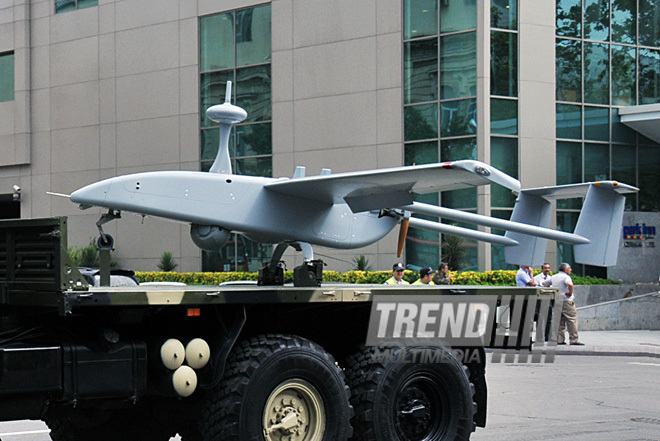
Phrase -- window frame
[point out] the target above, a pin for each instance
(11, 88)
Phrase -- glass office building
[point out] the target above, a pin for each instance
(550, 91)
(607, 57)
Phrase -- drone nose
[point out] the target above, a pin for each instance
(93, 194)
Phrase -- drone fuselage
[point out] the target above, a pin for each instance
(237, 203)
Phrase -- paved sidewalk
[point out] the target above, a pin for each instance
(621, 343)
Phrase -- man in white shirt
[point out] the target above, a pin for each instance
(543, 276)
(539, 279)
(562, 280)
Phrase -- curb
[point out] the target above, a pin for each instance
(608, 351)
(603, 351)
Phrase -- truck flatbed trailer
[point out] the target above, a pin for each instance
(225, 362)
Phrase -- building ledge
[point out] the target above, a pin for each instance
(643, 119)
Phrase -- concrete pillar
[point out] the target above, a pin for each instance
(483, 121)
(536, 111)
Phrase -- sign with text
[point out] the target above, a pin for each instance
(638, 236)
(510, 322)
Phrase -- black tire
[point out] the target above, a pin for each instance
(261, 368)
(67, 424)
(399, 400)
(105, 242)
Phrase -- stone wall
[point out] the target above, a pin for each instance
(592, 294)
(634, 313)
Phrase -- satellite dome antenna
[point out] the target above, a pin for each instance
(225, 114)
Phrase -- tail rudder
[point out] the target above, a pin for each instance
(600, 221)
(533, 210)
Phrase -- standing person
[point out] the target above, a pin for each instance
(525, 276)
(425, 276)
(539, 280)
(441, 277)
(397, 275)
(543, 276)
(569, 319)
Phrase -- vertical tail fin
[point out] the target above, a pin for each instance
(533, 210)
(600, 221)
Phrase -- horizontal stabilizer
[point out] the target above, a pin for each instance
(596, 237)
(600, 221)
(569, 191)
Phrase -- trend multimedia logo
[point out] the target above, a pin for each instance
(511, 325)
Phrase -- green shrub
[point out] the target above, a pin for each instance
(499, 277)
(85, 255)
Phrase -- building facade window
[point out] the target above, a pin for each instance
(72, 5)
(236, 46)
(7, 77)
(608, 57)
(440, 105)
(503, 110)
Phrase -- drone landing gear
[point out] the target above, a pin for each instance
(310, 273)
(106, 243)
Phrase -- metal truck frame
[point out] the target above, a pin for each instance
(271, 363)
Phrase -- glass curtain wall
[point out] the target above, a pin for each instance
(503, 111)
(440, 58)
(236, 46)
(608, 57)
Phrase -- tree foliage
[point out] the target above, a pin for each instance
(167, 262)
(453, 251)
(361, 263)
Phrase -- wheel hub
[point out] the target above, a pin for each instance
(294, 412)
(417, 412)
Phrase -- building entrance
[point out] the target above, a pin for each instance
(9, 208)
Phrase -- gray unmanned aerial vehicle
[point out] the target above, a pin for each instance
(352, 210)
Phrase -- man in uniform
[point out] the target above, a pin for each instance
(397, 275)
(425, 276)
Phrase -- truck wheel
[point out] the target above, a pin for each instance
(400, 400)
(279, 388)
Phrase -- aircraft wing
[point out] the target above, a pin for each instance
(392, 187)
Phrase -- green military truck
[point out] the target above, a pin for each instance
(245, 362)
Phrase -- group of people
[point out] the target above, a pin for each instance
(562, 281)
(427, 275)
(524, 277)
